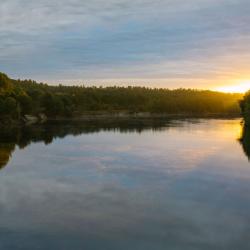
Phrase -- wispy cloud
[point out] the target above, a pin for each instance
(163, 41)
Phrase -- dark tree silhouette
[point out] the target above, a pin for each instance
(20, 97)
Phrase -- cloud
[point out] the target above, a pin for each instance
(101, 40)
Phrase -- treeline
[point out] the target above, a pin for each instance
(21, 97)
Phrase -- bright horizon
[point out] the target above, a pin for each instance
(241, 87)
(237, 87)
(202, 44)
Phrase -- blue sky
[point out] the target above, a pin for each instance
(162, 43)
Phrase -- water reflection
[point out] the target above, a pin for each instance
(47, 133)
(245, 140)
(23, 136)
(6, 150)
(179, 184)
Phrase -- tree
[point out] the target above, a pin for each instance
(25, 104)
(5, 83)
(11, 108)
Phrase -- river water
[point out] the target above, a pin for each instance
(128, 185)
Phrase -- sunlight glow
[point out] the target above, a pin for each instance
(241, 87)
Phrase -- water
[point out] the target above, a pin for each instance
(180, 184)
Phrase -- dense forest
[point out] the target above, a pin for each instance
(27, 97)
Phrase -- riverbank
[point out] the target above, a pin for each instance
(141, 115)
(28, 120)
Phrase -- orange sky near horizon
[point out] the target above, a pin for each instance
(197, 44)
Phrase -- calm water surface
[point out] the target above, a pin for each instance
(181, 184)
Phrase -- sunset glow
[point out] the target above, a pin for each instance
(241, 87)
(201, 44)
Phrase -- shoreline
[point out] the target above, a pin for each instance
(120, 116)
(140, 116)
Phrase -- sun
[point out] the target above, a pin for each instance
(241, 87)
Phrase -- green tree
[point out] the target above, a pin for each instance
(10, 108)
(5, 83)
(25, 104)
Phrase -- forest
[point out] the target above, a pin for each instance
(27, 97)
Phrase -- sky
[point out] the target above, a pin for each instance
(155, 43)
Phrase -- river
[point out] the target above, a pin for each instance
(127, 185)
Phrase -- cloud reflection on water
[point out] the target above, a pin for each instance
(153, 189)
